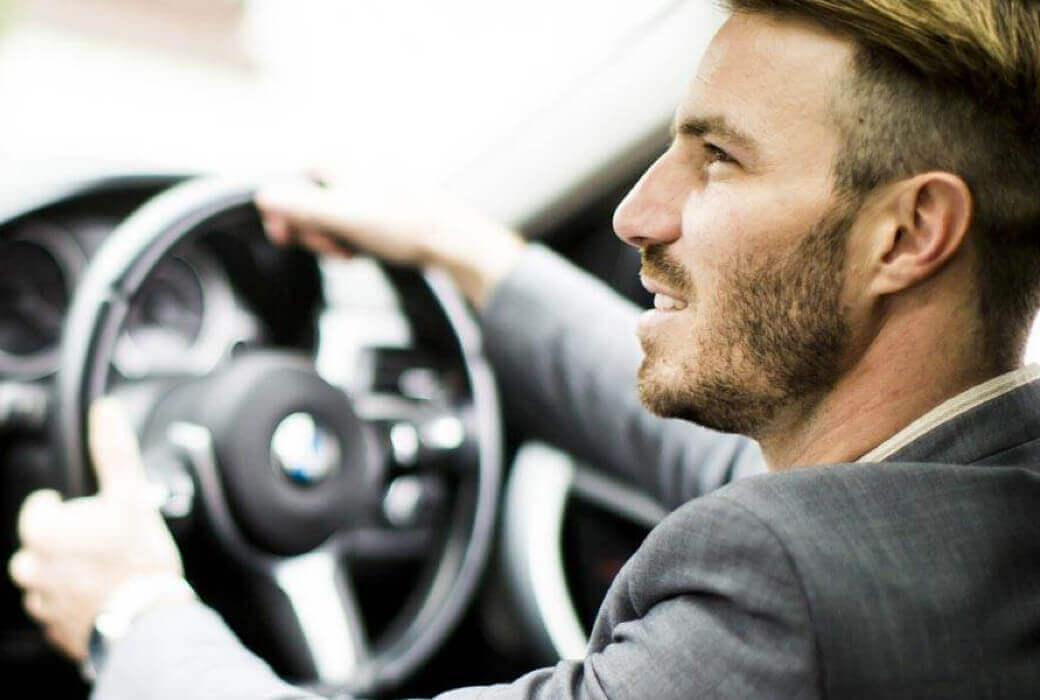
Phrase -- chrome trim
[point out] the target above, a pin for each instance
(536, 500)
(326, 608)
(542, 481)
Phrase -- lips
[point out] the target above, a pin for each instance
(665, 299)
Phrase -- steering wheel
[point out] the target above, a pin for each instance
(287, 474)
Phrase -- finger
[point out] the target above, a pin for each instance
(303, 204)
(64, 640)
(322, 242)
(277, 229)
(23, 568)
(37, 517)
(34, 605)
(114, 449)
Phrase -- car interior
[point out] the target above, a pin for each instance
(551, 535)
(464, 548)
(460, 547)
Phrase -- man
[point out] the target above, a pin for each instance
(842, 241)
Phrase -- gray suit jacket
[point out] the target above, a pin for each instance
(919, 577)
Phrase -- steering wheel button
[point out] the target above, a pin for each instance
(404, 443)
(419, 383)
(443, 433)
(404, 501)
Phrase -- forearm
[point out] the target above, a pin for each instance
(185, 651)
(477, 252)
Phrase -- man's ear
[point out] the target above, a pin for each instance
(926, 221)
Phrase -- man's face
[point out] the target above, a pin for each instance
(742, 234)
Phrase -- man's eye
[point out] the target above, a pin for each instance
(714, 154)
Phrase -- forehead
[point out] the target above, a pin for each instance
(772, 78)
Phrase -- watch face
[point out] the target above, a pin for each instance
(107, 630)
(96, 649)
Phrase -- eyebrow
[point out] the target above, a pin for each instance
(713, 126)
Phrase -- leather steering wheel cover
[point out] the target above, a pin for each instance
(101, 301)
(98, 310)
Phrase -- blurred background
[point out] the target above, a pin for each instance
(518, 106)
(410, 87)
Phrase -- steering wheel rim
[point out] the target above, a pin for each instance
(97, 313)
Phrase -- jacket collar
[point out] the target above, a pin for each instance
(975, 426)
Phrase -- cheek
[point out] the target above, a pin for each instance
(732, 221)
(716, 232)
(709, 219)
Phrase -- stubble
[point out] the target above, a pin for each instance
(779, 342)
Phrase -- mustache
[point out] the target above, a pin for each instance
(658, 266)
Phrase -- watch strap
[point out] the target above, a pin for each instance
(129, 601)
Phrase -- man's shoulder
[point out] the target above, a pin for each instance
(909, 579)
(822, 494)
(896, 558)
(847, 529)
(898, 531)
(833, 513)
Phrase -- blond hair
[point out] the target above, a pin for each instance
(948, 85)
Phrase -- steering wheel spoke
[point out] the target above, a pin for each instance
(321, 596)
(383, 544)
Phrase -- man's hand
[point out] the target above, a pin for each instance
(76, 553)
(407, 228)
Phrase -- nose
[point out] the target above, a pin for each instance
(651, 213)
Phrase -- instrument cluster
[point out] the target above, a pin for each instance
(184, 319)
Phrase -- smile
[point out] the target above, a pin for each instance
(664, 298)
(663, 302)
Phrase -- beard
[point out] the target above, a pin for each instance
(780, 344)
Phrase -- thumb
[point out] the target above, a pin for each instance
(300, 202)
(114, 449)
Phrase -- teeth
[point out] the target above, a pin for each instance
(664, 302)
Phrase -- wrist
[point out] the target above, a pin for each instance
(479, 264)
(128, 602)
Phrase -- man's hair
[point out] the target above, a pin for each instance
(950, 85)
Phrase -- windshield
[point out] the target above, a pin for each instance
(211, 84)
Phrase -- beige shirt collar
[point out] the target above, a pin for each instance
(961, 403)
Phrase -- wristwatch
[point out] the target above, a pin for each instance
(128, 602)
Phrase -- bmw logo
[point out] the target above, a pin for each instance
(304, 451)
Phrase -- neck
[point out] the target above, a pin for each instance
(911, 365)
